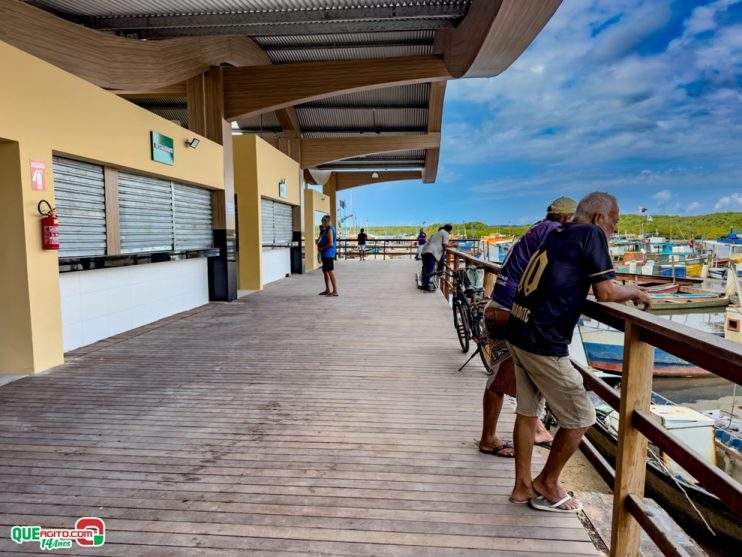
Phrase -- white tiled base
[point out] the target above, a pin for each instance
(105, 302)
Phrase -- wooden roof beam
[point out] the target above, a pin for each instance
(315, 152)
(435, 119)
(118, 63)
(347, 180)
(252, 90)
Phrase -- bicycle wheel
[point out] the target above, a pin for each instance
(436, 279)
(485, 347)
(461, 323)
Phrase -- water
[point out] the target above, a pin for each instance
(700, 393)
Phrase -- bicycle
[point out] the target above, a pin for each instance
(468, 305)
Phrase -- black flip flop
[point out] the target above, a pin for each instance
(497, 450)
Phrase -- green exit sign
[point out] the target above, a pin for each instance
(162, 148)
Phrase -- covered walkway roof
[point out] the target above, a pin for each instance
(281, 424)
(408, 49)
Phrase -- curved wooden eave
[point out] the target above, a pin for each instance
(251, 90)
(115, 62)
(316, 152)
(347, 180)
(493, 35)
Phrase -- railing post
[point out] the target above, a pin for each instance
(631, 456)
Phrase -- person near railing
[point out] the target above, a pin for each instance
(327, 246)
(496, 314)
(433, 251)
(362, 237)
(421, 239)
(547, 306)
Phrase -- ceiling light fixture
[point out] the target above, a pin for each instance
(192, 143)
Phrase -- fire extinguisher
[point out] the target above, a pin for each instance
(49, 226)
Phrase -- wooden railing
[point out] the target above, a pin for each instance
(642, 332)
(378, 248)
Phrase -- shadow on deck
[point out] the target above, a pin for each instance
(285, 423)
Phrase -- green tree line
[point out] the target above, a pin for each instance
(670, 226)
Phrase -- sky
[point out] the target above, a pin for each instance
(640, 98)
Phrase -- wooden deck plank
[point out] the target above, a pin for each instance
(281, 424)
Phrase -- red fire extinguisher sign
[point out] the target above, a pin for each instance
(38, 175)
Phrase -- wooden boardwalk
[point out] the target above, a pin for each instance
(283, 424)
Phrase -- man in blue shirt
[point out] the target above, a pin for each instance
(502, 381)
(547, 306)
(327, 246)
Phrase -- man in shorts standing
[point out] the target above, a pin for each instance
(496, 314)
(362, 238)
(547, 306)
(327, 246)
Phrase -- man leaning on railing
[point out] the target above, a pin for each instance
(546, 309)
(433, 252)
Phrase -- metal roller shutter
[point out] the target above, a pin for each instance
(266, 219)
(283, 223)
(79, 192)
(192, 217)
(277, 222)
(146, 213)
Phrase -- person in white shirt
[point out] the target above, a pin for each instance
(433, 252)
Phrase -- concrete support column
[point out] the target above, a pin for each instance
(30, 311)
(206, 117)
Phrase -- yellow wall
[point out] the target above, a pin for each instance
(46, 110)
(258, 167)
(314, 202)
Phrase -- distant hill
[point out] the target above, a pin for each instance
(671, 226)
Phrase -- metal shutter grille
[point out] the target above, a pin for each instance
(192, 217)
(277, 222)
(146, 213)
(283, 223)
(266, 219)
(79, 192)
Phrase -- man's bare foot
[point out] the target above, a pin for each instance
(555, 493)
(542, 434)
(522, 493)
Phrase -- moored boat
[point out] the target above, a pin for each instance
(676, 491)
(604, 351)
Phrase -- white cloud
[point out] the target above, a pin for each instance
(581, 96)
(662, 196)
(733, 201)
(692, 206)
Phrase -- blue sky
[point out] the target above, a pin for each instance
(640, 98)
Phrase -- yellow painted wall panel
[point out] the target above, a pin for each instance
(258, 168)
(68, 115)
(16, 345)
(47, 111)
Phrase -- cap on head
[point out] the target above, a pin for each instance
(562, 206)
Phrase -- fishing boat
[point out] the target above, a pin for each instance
(667, 483)
(674, 301)
(604, 351)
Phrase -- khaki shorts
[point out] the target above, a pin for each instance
(555, 379)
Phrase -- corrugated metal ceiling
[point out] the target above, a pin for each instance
(133, 7)
(295, 31)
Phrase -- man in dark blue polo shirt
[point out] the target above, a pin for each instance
(547, 306)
